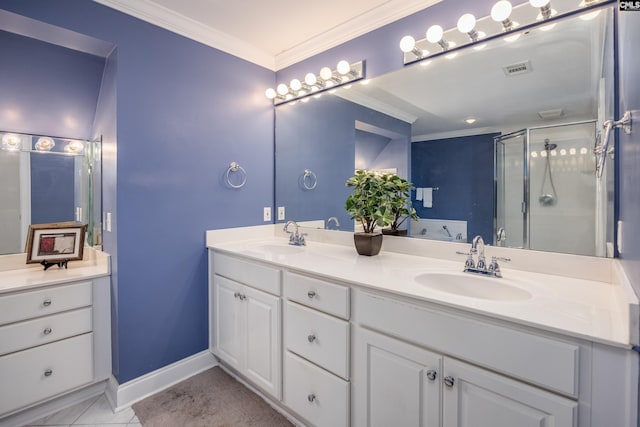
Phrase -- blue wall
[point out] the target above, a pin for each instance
(328, 122)
(629, 145)
(184, 111)
(462, 169)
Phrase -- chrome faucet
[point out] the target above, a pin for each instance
(480, 266)
(334, 219)
(295, 237)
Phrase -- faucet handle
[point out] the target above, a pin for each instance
(469, 263)
(494, 268)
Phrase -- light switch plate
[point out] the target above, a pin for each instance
(267, 214)
(280, 213)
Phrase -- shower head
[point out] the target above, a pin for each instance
(548, 146)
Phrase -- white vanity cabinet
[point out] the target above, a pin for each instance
(316, 340)
(53, 339)
(246, 320)
(396, 380)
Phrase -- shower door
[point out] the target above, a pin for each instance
(510, 177)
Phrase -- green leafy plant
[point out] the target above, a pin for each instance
(370, 202)
(399, 194)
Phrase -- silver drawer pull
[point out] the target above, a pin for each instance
(311, 398)
(448, 381)
(311, 338)
(47, 302)
(311, 294)
(48, 373)
(431, 374)
(47, 331)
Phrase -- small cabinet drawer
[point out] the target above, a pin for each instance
(318, 337)
(45, 301)
(315, 394)
(32, 375)
(249, 273)
(321, 295)
(43, 330)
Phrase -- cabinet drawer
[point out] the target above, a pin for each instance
(315, 394)
(45, 301)
(32, 375)
(318, 337)
(31, 333)
(325, 296)
(249, 273)
(547, 362)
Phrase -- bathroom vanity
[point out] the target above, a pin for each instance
(55, 332)
(333, 338)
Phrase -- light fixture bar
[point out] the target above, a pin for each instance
(312, 84)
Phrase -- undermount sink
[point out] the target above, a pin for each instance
(473, 286)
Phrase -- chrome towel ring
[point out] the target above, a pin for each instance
(235, 167)
(309, 180)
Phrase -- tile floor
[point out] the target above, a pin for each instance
(94, 412)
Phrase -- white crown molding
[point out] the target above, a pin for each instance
(187, 27)
(163, 17)
(376, 104)
(369, 21)
(454, 134)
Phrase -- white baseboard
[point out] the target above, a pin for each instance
(52, 406)
(122, 396)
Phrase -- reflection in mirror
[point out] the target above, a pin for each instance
(45, 180)
(501, 140)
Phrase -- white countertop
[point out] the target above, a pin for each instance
(15, 275)
(594, 310)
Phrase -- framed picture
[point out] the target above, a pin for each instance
(55, 242)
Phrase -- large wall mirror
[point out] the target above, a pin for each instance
(44, 180)
(497, 138)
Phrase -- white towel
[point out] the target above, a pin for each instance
(427, 197)
(418, 193)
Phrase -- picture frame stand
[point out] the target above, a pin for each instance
(46, 264)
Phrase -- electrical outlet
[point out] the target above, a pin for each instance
(267, 214)
(108, 221)
(280, 213)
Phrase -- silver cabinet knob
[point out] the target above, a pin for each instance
(448, 381)
(311, 398)
(243, 297)
(47, 302)
(311, 294)
(432, 375)
(47, 331)
(311, 338)
(236, 294)
(48, 373)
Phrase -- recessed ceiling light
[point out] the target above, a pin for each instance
(470, 120)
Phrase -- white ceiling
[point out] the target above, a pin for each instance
(274, 33)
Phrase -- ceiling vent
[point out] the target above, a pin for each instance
(517, 69)
(551, 114)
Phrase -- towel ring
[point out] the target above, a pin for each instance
(235, 167)
(311, 182)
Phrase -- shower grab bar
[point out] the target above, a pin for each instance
(602, 149)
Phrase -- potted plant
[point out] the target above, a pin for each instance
(369, 204)
(399, 193)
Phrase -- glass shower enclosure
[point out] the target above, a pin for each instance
(548, 195)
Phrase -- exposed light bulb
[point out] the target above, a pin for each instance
(44, 144)
(466, 23)
(295, 85)
(344, 67)
(407, 44)
(282, 89)
(11, 142)
(501, 11)
(310, 79)
(74, 147)
(326, 73)
(539, 3)
(435, 33)
(270, 93)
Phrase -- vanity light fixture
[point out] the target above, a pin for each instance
(44, 144)
(74, 147)
(500, 12)
(408, 44)
(467, 24)
(435, 34)
(11, 142)
(313, 84)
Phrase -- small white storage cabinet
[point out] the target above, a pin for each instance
(246, 319)
(53, 339)
(316, 360)
(396, 382)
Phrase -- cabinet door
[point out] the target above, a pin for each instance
(229, 337)
(263, 349)
(394, 383)
(474, 397)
